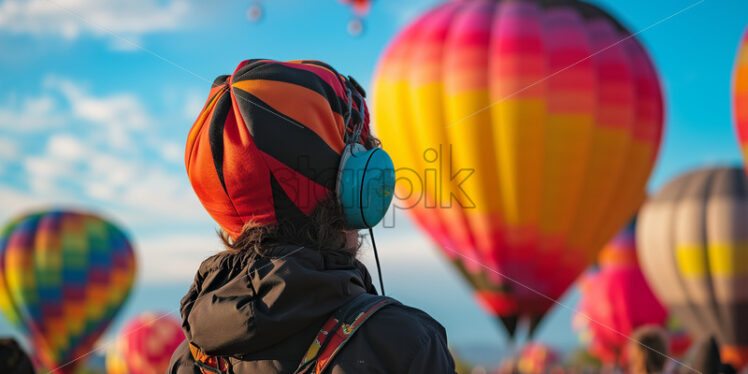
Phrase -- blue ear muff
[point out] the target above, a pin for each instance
(365, 185)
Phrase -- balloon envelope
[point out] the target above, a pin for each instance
(63, 276)
(740, 94)
(523, 133)
(360, 7)
(115, 361)
(537, 358)
(616, 300)
(148, 341)
(692, 238)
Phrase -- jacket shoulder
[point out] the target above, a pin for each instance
(401, 339)
(406, 322)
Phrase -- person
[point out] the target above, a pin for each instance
(13, 360)
(263, 159)
(648, 350)
(703, 357)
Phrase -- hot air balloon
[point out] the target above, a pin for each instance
(360, 10)
(115, 361)
(254, 13)
(691, 239)
(680, 341)
(537, 358)
(523, 133)
(740, 92)
(148, 341)
(616, 300)
(63, 277)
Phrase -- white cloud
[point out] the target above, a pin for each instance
(172, 152)
(175, 257)
(32, 114)
(9, 149)
(193, 103)
(16, 202)
(119, 114)
(71, 18)
(107, 152)
(66, 147)
(138, 190)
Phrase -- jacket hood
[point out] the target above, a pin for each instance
(242, 304)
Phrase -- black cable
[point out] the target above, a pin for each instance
(376, 257)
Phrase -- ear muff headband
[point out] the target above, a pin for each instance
(366, 178)
(365, 184)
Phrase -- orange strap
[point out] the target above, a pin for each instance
(338, 330)
(209, 364)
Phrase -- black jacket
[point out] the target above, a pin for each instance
(264, 312)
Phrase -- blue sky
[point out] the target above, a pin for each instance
(89, 120)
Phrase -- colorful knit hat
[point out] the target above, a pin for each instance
(267, 144)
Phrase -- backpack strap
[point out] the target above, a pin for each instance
(209, 364)
(338, 330)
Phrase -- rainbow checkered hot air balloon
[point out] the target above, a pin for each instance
(63, 276)
(147, 342)
(524, 132)
(740, 94)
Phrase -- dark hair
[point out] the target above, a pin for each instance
(324, 230)
(651, 343)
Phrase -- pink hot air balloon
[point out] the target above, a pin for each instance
(740, 94)
(148, 341)
(616, 300)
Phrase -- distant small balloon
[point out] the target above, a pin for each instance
(537, 358)
(254, 13)
(355, 26)
(148, 342)
(115, 362)
(360, 7)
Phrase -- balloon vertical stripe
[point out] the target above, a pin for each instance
(740, 94)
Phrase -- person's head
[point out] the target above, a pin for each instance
(648, 350)
(263, 154)
(13, 359)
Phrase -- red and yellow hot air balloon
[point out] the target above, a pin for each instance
(740, 93)
(692, 239)
(616, 300)
(63, 276)
(115, 361)
(147, 342)
(524, 132)
(537, 358)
